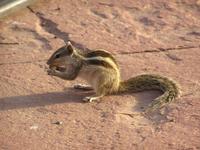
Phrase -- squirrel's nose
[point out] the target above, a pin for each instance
(48, 62)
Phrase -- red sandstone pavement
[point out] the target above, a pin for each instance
(160, 37)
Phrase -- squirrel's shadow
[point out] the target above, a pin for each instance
(143, 99)
(35, 100)
(69, 95)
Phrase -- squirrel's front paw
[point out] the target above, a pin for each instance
(51, 72)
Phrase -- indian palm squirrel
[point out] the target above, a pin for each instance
(101, 71)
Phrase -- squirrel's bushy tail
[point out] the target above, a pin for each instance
(152, 82)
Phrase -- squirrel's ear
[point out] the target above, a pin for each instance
(70, 48)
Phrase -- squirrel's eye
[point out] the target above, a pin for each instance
(57, 56)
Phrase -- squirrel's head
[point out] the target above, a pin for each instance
(63, 56)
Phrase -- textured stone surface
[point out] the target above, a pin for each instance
(145, 36)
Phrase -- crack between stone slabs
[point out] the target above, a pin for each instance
(51, 27)
(7, 43)
(159, 50)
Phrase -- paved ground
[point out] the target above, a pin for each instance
(145, 36)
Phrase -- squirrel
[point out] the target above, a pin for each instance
(100, 69)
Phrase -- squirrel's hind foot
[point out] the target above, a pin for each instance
(91, 98)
